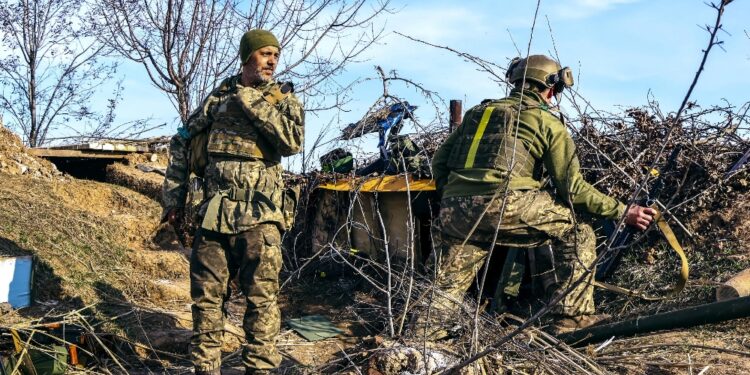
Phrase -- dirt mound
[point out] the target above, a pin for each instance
(15, 161)
(146, 183)
(143, 173)
(90, 240)
(729, 222)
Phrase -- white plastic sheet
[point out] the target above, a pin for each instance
(15, 281)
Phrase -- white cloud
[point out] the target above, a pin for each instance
(602, 4)
(578, 9)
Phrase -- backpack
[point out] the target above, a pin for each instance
(337, 160)
(406, 156)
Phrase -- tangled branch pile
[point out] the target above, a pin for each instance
(712, 141)
(705, 202)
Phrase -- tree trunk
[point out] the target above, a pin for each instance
(183, 103)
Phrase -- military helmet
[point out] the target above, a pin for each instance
(540, 69)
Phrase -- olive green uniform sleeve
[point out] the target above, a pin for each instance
(562, 164)
(440, 170)
(281, 124)
(174, 189)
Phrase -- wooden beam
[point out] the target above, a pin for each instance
(82, 154)
(737, 286)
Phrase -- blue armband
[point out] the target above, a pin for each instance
(183, 132)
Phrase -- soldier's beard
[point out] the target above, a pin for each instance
(256, 76)
(264, 76)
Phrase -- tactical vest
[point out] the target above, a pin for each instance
(486, 142)
(233, 134)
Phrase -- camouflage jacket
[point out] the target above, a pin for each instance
(541, 135)
(240, 191)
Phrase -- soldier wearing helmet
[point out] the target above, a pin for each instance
(490, 175)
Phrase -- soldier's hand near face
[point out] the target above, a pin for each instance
(639, 216)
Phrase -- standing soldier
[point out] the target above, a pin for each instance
(490, 174)
(249, 122)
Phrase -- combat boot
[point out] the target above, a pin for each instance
(573, 323)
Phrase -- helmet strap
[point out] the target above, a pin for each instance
(550, 94)
(558, 96)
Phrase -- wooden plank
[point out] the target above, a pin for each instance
(103, 146)
(54, 153)
(380, 184)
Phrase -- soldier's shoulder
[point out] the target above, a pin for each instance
(227, 85)
(483, 105)
(293, 97)
(551, 115)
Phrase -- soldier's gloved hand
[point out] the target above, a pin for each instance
(274, 95)
(639, 216)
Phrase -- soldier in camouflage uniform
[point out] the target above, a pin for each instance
(489, 172)
(251, 124)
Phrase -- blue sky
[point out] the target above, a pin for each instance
(620, 49)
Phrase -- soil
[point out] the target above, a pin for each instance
(15, 161)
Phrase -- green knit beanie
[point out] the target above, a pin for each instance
(254, 40)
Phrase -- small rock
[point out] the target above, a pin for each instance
(5, 308)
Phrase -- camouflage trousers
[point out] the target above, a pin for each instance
(254, 256)
(530, 219)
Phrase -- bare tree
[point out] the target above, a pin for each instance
(186, 46)
(319, 38)
(51, 68)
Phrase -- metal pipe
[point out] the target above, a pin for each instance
(456, 111)
(689, 317)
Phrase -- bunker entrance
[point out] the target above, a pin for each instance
(84, 168)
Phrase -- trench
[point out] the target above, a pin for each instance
(84, 168)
